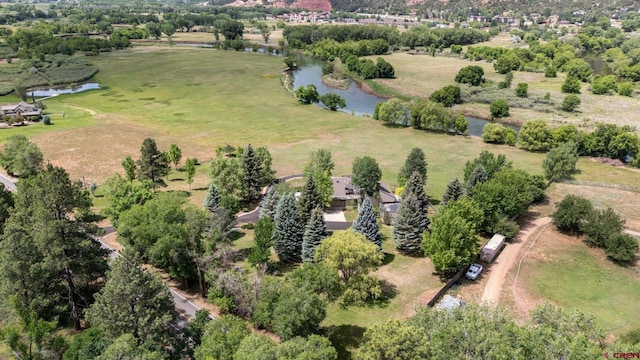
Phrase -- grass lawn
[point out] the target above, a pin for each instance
(567, 272)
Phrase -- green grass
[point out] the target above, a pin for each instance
(576, 278)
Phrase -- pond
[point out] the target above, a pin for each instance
(358, 101)
(60, 90)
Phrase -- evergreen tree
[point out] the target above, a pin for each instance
(269, 203)
(261, 250)
(314, 232)
(288, 230)
(132, 301)
(415, 162)
(415, 186)
(212, 199)
(454, 192)
(320, 167)
(267, 174)
(367, 223)
(252, 174)
(153, 164)
(310, 199)
(409, 225)
(48, 225)
(478, 176)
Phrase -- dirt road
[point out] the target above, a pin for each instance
(508, 257)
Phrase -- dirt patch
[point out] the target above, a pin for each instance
(604, 160)
(91, 112)
(507, 259)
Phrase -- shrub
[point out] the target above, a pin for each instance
(570, 102)
(472, 75)
(508, 79)
(602, 85)
(550, 71)
(621, 247)
(499, 108)
(522, 90)
(510, 137)
(456, 49)
(447, 96)
(625, 89)
(571, 85)
(493, 133)
(535, 135)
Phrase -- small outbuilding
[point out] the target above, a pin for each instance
(449, 303)
(492, 249)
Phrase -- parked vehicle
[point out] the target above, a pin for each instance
(473, 272)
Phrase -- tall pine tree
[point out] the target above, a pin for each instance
(415, 162)
(269, 203)
(409, 225)
(454, 192)
(212, 199)
(478, 176)
(252, 174)
(48, 218)
(288, 230)
(261, 250)
(153, 164)
(367, 223)
(415, 186)
(315, 231)
(310, 199)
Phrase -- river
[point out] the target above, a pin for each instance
(359, 102)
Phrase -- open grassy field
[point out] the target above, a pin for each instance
(563, 270)
(420, 75)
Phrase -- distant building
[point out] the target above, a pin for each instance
(22, 109)
(478, 18)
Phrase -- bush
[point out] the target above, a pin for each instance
(570, 102)
(571, 213)
(535, 135)
(571, 85)
(472, 75)
(621, 247)
(602, 85)
(625, 89)
(508, 79)
(493, 133)
(522, 90)
(456, 49)
(550, 71)
(499, 108)
(447, 96)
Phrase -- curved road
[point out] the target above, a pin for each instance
(185, 308)
(254, 215)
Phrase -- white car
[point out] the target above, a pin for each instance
(473, 272)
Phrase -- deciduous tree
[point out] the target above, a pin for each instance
(560, 161)
(227, 175)
(472, 75)
(21, 157)
(571, 213)
(332, 101)
(393, 340)
(452, 242)
(351, 253)
(190, 170)
(320, 167)
(535, 135)
(621, 247)
(307, 94)
(221, 338)
(600, 225)
(366, 175)
(175, 155)
(130, 168)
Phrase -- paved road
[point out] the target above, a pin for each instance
(254, 215)
(184, 307)
(8, 183)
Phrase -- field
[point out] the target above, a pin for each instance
(420, 75)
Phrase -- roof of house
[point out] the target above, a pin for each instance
(343, 189)
(386, 195)
(23, 107)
